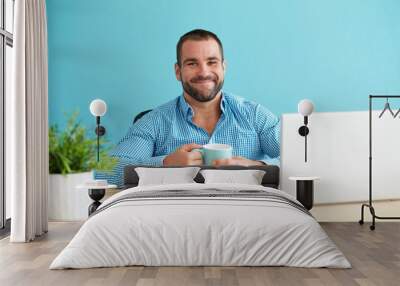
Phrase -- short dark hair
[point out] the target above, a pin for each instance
(196, 35)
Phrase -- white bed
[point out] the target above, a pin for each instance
(251, 225)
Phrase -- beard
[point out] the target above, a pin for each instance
(199, 95)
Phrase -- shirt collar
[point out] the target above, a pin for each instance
(185, 107)
(188, 110)
(223, 102)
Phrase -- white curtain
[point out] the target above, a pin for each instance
(28, 121)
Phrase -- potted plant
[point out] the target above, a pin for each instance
(72, 159)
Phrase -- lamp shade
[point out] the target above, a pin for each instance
(98, 107)
(305, 107)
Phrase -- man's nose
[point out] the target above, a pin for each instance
(203, 69)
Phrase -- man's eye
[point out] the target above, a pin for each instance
(213, 62)
(191, 64)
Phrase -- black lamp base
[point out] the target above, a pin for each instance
(100, 130)
(304, 131)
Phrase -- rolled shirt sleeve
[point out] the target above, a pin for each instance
(269, 131)
(135, 148)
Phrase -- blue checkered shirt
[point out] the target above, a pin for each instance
(251, 129)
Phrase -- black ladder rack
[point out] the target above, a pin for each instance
(369, 205)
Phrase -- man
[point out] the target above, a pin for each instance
(203, 114)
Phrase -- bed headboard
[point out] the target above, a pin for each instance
(270, 179)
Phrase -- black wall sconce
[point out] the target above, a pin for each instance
(98, 108)
(305, 108)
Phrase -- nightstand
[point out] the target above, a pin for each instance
(305, 190)
(96, 193)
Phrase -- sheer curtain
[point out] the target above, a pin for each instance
(28, 123)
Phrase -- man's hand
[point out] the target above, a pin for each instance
(183, 157)
(241, 161)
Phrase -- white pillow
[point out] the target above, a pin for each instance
(165, 176)
(249, 177)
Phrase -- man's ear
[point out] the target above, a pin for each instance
(224, 65)
(178, 72)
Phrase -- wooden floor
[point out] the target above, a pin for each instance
(375, 257)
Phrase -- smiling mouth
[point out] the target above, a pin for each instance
(203, 81)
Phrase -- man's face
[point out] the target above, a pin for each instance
(202, 69)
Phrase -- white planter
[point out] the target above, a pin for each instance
(66, 202)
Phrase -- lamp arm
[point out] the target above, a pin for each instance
(305, 148)
(100, 131)
(98, 137)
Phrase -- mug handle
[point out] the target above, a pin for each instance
(198, 150)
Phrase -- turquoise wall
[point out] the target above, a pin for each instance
(278, 52)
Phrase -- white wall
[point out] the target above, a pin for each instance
(338, 153)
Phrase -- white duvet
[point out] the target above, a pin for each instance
(200, 231)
